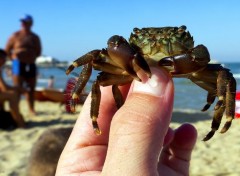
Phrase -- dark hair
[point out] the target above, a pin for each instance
(3, 53)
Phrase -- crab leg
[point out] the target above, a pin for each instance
(82, 80)
(108, 68)
(220, 105)
(106, 79)
(223, 87)
(95, 103)
(230, 104)
(215, 123)
(117, 95)
(85, 59)
(210, 99)
(84, 76)
(80, 84)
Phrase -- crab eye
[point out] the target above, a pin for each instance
(114, 40)
(136, 30)
(182, 28)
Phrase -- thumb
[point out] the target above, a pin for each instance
(138, 128)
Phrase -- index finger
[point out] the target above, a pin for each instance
(83, 134)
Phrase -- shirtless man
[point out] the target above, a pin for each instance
(10, 94)
(23, 47)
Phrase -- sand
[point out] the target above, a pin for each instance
(218, 157)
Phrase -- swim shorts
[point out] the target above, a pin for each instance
(24, 69)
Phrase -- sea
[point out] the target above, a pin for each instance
(187, 94)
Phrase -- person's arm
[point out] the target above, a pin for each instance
(9, 46)
(38, 46)
(3, 86)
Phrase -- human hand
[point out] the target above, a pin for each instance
(135, 140)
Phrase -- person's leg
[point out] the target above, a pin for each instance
(16, 74)
(31, 80)
(18, 83)
(17, 80)
(31, 84)
(12, 98)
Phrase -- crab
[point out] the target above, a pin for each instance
(169, 48)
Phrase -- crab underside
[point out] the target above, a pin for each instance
(169, 48)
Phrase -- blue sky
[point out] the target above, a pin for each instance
(69, 29)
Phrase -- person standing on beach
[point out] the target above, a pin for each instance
(51, 82)
(23, 47)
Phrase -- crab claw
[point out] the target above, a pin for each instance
(167, 61)
(139, 61)
(125, 57)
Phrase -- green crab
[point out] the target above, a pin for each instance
(170, 48)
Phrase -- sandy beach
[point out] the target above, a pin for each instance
(218, 157)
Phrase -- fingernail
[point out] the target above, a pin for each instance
(156, 85)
